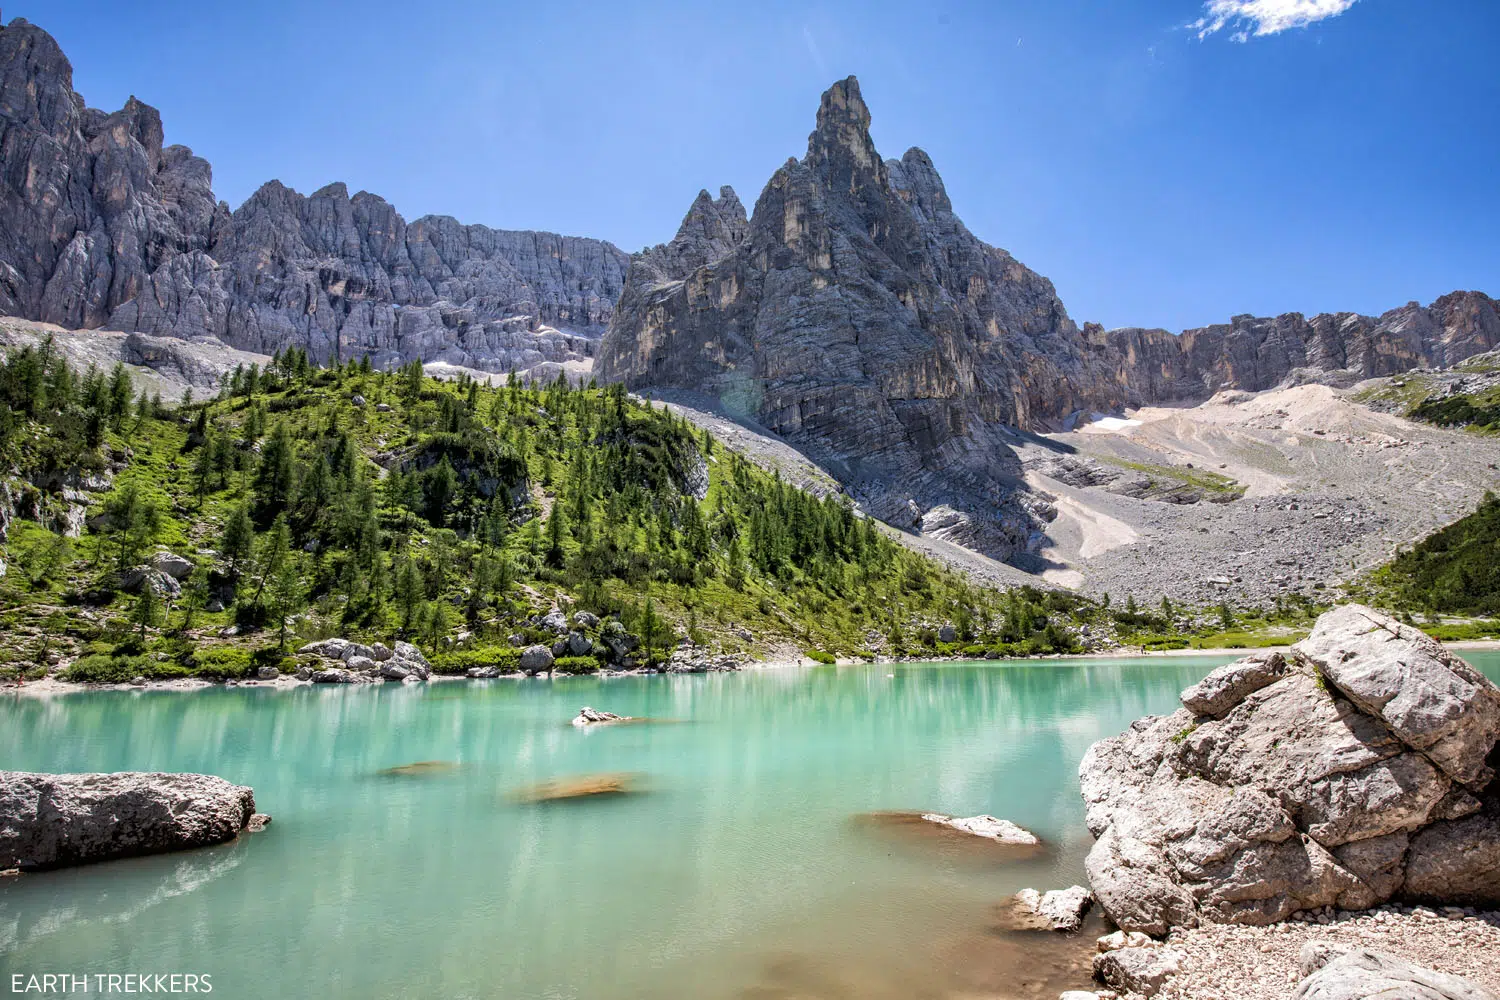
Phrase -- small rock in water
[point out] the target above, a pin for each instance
(419, 769)
(1058, 910)
(592, 716)
(1001, 831)
(562, 789)
(257, 823)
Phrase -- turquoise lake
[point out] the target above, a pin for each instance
(739, 870)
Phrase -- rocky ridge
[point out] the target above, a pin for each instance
(109, 227)
(855, 316)
(1357, 771)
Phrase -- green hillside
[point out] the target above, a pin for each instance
(1452, 571)
(320, 502)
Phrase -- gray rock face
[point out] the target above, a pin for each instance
(109, 228)
(1339, 973)
(855, 315)
(1137, 970)
(1351, 775)
(536, 659)
(55, 820)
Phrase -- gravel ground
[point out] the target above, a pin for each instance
(1332, 488)
(1229, 962)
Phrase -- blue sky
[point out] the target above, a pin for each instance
(1159, 172)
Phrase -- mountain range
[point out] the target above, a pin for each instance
(851, 312)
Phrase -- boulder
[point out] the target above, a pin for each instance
(536, 660)
(559, 648)
(947, 634)
(332, 675)
(352, 650)
(1126, 939)
(585, 619)
(1455, 862)
(406, 651)
(1057, 910)
(579, 644)
(554, 621)
(1338, 972)
(173, 565)
(55, 820)
(359, 664)
(1335, 777)
(332, 649)
(1137, 970)
(380, 652)
(483, 673)
(1227, 686)
(1001, 831)
(267, 673)
(394, 671)
(1431, 700)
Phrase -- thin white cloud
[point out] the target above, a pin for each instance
(814, 51)
(1248, 18)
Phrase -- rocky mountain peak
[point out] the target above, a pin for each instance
(840, 152)
(917, 183)
(36, 80)
(105, 227)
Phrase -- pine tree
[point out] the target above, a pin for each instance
(147, 609)
(238, 537)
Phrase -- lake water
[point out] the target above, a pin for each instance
(739, 870)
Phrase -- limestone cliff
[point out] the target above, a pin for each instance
(859, 318)
(104, 226)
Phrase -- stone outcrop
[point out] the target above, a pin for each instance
(108, 227)
(404, 662)
(593, 717)
(56, 820)
(856, 316)
(1342, 973)
(1357, 771)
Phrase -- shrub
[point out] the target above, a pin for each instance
(98, 668)
(221, 663)
(820, 656)
(461, 661)
(575, 665)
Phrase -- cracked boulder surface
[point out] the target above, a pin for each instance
(1357, 770)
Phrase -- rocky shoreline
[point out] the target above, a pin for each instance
(1330, 816)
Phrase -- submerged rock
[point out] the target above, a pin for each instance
(1001, 831)
(1353, 773)
(420, 769)
(56, 820)
(1059, 910)
(584, 786)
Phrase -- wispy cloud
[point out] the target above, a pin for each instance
(814, 51)
(1248, 18)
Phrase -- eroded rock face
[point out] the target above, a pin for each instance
(855, 315)
(110, 228)
(55, 820)
(1353, 773)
